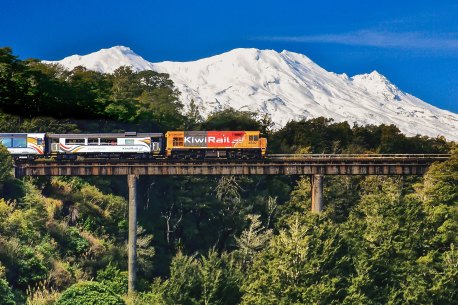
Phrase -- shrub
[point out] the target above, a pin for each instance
(6, 295)
(114, 279)
(31, 268)
(6, 164)
(76, 244)
(89, 293)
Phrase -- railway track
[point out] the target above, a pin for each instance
(275, 164)
(326, 158)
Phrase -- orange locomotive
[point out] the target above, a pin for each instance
(215, 144)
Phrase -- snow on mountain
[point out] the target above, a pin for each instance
(106, 60)
(288, 86)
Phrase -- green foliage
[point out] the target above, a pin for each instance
(385, 231)
(75, 243)
(324, 136)
(210, 279)
(114, 279)
(30, 88)
(183, 286)
(6, 294)
(154, 296)
(91, 209)
(6, 164)
(253, 239)
(193, 116)
(441, 182)
(305, 263)
(341, 193)
(89, 293)
(31, 269)
(230, 119)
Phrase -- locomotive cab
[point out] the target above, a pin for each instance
(215, 144)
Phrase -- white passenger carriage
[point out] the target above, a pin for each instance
(112, 145)
(24, 145)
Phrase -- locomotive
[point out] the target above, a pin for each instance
(133, 145)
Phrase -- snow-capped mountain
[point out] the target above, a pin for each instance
(286, 85)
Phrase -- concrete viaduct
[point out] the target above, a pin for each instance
(314, 165)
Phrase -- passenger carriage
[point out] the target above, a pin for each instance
(105, 145)
(24, 145)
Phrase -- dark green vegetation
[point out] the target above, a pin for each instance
(89, 293)
(216, 240)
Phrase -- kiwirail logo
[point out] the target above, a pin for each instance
(202, 140)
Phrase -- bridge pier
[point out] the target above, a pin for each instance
(317, 193)
(132, 181)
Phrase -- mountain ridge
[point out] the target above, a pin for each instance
(286, 85)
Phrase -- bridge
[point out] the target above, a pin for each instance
(314, 165)
(323, 164)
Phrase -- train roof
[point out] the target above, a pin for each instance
(21, 134)
(104, 135)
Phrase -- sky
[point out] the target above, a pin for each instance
(413, 43)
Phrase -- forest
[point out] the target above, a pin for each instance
(215, 240)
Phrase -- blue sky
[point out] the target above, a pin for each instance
(413, 43)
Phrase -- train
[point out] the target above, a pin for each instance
(133, 145)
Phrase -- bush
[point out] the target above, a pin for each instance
(114, 279)
(76, 244)
(89, 293)
(6, 164)
(6, 295)
(31, 269)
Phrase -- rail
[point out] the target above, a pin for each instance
(270, 157)
(359, 156)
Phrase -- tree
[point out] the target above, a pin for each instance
(253, 239)
(231, 119)
(385, 234)
(6, 164)
(193, 116)
(305, 263)
(13, 82)
(207, 279)
(436, 276)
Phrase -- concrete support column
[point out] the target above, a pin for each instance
(132, 240)
(317, 193)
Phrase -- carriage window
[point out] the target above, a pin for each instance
(39, 141)
(7, 142)
(178, 142)
(74, 141)
(93, 141)
(129, 142)
(109, 141)
(256, 138)
(250, 138)
(19, 142)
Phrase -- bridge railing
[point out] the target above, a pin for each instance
(360, 156)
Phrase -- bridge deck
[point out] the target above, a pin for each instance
(273, 165)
